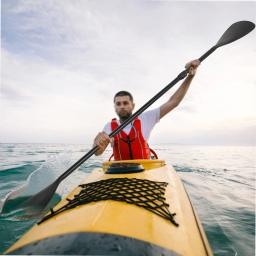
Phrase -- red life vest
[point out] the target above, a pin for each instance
(131, 146)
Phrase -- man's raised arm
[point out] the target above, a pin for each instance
(177, 97)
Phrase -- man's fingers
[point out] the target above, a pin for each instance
(102, 144)
(192, 71)
(102, 140)
(192, 66)
(105, 137)
(193, 63)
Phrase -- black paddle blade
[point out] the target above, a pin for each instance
(39, 201)
(235, 32)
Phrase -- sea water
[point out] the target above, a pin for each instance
(220, 181)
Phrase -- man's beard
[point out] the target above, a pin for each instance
(124, 116)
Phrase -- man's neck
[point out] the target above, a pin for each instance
(121, 120)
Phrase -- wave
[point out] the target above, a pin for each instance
(40, 179)
(17, 169)
(192, 169)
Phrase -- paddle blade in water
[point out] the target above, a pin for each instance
(39, 201)
(235, 32)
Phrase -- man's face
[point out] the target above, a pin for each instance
(123, 106)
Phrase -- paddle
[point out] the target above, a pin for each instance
(234, 32)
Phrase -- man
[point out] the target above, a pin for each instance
(131, 143)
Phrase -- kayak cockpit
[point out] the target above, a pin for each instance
(129, 166)
(120, 168)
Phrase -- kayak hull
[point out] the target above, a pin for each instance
(114, 227)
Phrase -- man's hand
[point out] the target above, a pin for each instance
(192, 67)
(102, 140)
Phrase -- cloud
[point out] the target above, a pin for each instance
(62, 62)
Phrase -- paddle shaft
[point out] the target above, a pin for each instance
(204, 56)
(181, 76)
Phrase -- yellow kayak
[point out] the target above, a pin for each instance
(133, 207)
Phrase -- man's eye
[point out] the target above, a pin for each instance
(125, 103)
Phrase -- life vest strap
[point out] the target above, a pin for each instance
(151, 150)
(154, 153)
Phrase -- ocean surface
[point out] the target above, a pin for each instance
(219, 179)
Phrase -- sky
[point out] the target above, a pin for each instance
(62, 62)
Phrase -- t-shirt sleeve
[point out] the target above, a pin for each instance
(107, 128)
(148, 121)
(151, 116)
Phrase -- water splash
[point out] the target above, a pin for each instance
(39, 179)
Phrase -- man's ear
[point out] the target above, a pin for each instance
(133, 106)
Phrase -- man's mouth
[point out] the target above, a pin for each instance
(124, 114)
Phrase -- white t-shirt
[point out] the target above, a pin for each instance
(148, 120)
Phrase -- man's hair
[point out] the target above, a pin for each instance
(123, 93)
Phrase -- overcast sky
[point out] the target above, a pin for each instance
(63, 60)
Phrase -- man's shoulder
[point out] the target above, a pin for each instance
(151, 111)
(153, 114)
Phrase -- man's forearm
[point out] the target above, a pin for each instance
(181, 92)
(177, 97)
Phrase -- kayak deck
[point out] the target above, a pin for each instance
(140, 192)
(118, 219)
